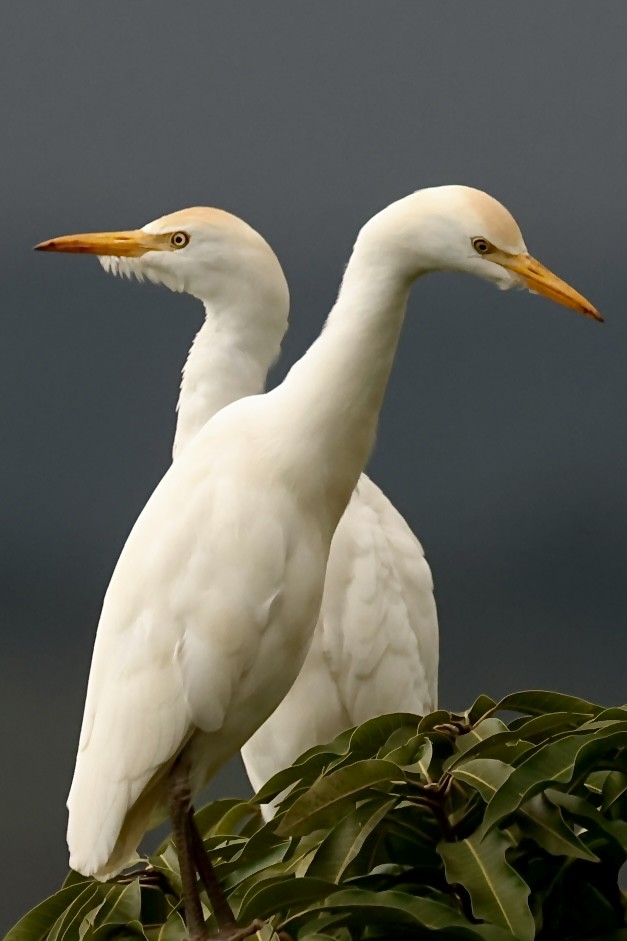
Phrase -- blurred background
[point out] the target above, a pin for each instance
(502, 439)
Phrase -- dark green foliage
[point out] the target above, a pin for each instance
(471, 826)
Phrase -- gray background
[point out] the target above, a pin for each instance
(502, 438)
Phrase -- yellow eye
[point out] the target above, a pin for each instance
(179, 239)
(482, 246)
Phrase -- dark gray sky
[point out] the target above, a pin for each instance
(502, 438)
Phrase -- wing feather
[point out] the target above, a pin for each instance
(176, 635)
(379, 618)
(375, 648)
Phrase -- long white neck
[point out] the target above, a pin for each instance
(229, 359)
(333, 395)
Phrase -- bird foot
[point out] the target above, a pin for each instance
(235, 932)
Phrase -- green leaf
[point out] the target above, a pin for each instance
(482, 705)
(131, 929)
(419, 768)
(66, 927)
(336, 792)
(504, 746)
(280, 782)
(419, 823)
(86, 927)
(282, 894)
(615, 794)
(432, 720)
(393, 908)
(233, 819)
(221, 817)
(211, 815)
(36, 924)
(399, 737)
(368, 738)
(553, 763)
(543, 822)
(595, 725)
(595, 781)
(75, 878)
(266, 933)
(344, 841)
(535, 702)
(127, 906)
(484, 729)
(259, 853)
(614, 713)
(224, 847)
(167, 863)
(405, 753)
(497, 893)
(485, 775)
(122, 904)
(338, 746)
(174, 929)
(583, 811)
(490, 738)
(307, 769)
(541, 727)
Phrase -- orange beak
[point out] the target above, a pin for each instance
(131, 244)
(542, 281)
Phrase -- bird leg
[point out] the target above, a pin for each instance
(179, 804)
(194, 859)
(228, 929)
(215, 893)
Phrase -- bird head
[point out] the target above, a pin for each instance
(205, 252)
(458, 228)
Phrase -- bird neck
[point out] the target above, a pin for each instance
(229, 359)
(334, 393)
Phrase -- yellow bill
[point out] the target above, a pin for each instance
(542, 281)
(130, 244)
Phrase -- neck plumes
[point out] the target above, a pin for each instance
(229, 359)
(335, 392)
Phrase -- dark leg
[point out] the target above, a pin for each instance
(228, 929)
(179, 802)
(215, 893)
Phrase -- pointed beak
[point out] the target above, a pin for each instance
(542, 281)
(131, 244)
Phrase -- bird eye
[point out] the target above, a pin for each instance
(179, 239)
(482, 246)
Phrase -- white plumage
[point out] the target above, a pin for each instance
(176, 663)
(375, 647)
(216, 594)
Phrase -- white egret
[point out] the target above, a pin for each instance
(213, 602)
(375, 647)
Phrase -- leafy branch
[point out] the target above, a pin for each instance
(506, 821)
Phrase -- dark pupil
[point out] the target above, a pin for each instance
(483, 247)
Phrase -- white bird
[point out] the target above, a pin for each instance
(375, 647)
(215, 596)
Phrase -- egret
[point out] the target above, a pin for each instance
(375, 647)
(213, 602)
